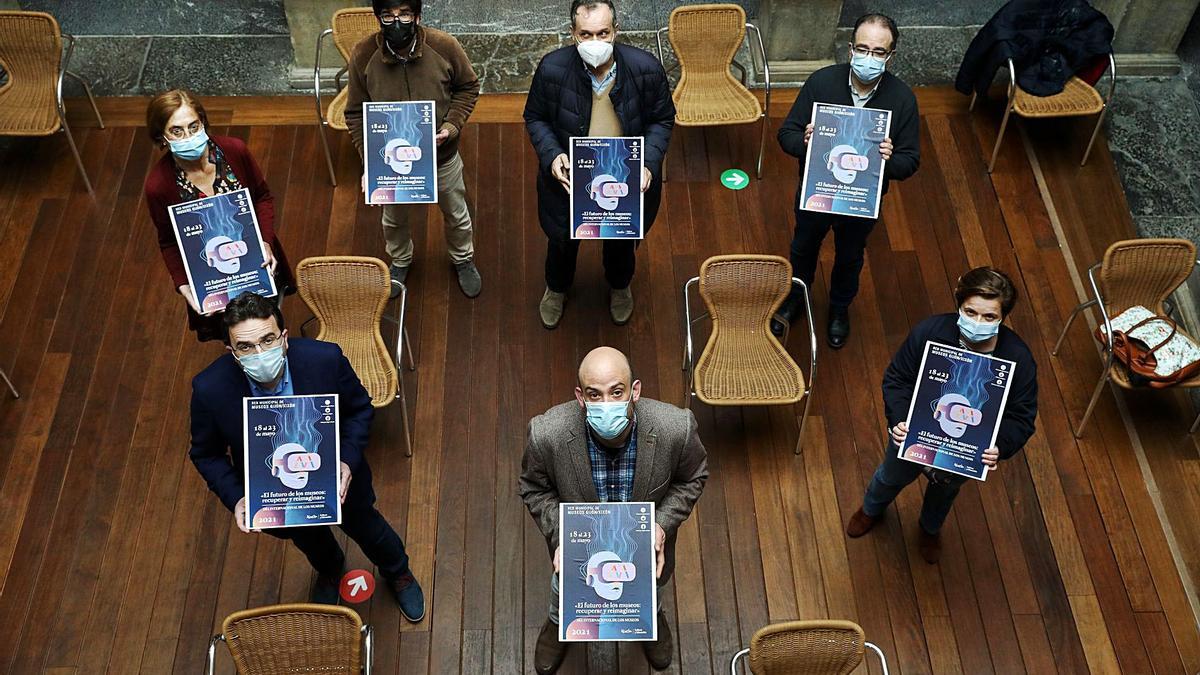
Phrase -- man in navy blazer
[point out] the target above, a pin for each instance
(264, 362)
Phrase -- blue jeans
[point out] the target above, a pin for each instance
(894, 474)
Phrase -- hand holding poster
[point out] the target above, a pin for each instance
(956, 409)
(292, 461)
(399, 153)
(843, 170)
(607, 588)
(606, 187)
(222, 248)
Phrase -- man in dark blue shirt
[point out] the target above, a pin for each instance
(263, 361)
(864, 82)
(985, 296)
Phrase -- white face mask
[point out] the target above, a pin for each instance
(595, 53)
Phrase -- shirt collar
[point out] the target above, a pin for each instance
(597, 83)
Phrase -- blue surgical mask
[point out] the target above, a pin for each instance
(192, 147)
(265, 366)
(608, 419)
(867, 68)
(976, 331)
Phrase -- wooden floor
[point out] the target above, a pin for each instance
(116, 558)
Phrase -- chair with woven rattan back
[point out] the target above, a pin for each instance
(1133, 272)
(350, 27)
(706, 40)
(742, 362)
(1077, 99)
(31, 101)
(297, 638)
(348, 295)
(821, 647)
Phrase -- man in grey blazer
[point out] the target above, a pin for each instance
(610, 444)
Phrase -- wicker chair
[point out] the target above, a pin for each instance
(806, 648)
(1134, 272)
(347, 295)
(1076, 99)
(31, 102)
(706, 38)
(742, 363)
(350, 27)
(299, 638)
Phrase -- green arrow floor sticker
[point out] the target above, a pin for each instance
(735, 179)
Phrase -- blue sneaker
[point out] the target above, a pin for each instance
(409, 596)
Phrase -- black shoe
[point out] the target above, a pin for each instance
(324, 591)
(549, 652)
(839, 328)
(399, 275)
(791, 308)
(659, 653)
(409, 596)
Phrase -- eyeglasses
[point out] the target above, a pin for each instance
(877, 54)
(248, 348)
(180, 133)
(388, 19)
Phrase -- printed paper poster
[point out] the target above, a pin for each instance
(292, 460)
(607, 588)
(606, 187)
(222, 248)
(843, 170)
(399, 152)
(956, 409)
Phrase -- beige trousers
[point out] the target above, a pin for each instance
(452, 198)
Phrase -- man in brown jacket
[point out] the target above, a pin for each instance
(610, 444)
(408, 61)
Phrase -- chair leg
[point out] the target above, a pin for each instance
(328, 155)
(803, 421)
(1000, 137)
(664, 169)
(1092, 403)
(1095, 132)
(1070, 319)
(762, 145)
(974, 95)
(9, 383)
(1195, 424)
(404, 418)
(412, 363)
(87, 90)
(75, 151)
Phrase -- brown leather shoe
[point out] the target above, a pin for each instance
(660, 652)
(929, 545)
(549, 652)
(860, 524)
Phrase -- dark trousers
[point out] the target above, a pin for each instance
(849, 249)
(362, 523)
(561, 254)
(894, 474)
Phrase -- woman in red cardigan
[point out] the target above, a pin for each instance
(197, 166)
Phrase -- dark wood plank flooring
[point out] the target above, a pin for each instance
(115, 558)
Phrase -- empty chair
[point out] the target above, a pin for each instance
(742, 363)
(350, 27)
(31, 102)
(1077, 98)
(706, 38)
(823, 647)
(1133, 272)
(298, 638)
(347, 295)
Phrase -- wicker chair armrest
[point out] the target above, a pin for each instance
(812, 338)
(733, 665)
(879, 653)
(687, 320)
(62, 70)
(762, 53)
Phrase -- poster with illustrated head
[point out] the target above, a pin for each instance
(399, 152)
(292, 459)
(843, 170)
(222, 248)
(607, 586)
(606, 187)
(956, 409)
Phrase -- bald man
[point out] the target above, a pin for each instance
(610, 444)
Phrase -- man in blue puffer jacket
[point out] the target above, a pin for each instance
(594, 88)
